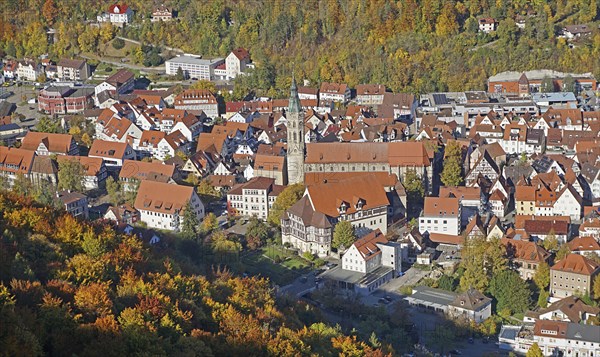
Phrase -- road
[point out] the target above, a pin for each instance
(159, 70)
(139, 43)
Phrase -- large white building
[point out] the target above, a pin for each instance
(193, 67)
(161, 204)
(441, 215)
(370, 252)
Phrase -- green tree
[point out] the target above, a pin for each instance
(510, 291)
(481, 260)
(446, 282)
(130, 190)
(118, 43)
(48, 125)
(113, 188)
(542, 276)
(286, 199)
(547, 85)
(415, 190)
(543, 299)
(190, 224)
(257, 233)
(534, 351)
(343, 235)
(71, 174)
(180, 76)
(45, 193)
(568, 84)
(22, 186)
(207, 191)
(452, 172)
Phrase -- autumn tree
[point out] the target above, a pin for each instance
(343, 235)
(596, 287)
(71, 175)
(547, 85)
(550, 243)
(256, 233)
(562, 252)
(207, 85)
(210, 222)
(447, 23)
(207, 191)
(21, 185)
(481, 260)
(49, 11)
(534, 351)
(452, 171)
(542, 276)
(286, 199)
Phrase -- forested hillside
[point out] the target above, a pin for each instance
(70, 288)
(409, 45)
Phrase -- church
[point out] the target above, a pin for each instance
(345, 181)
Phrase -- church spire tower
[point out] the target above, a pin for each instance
(295, 137)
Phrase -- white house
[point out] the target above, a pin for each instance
(120, 14)
(161, 205)
(29, 71)
(568, 203)
(370, 252)
(441, 215)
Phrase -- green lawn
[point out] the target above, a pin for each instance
(261, 263)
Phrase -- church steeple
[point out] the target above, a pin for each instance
(295, 137)
(294, 106)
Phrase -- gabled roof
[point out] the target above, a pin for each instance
(394, 153)
(441, 206)
(92, 165)
(471, 300)
(269, 162)
(328, 197)
(524, 250)
(146, 170)
(583, 244)
(571, 306)
(310, 218)
(578, 264)
(120, 78)
(241, 53)
(60, 143)
(108, 149)
(162, 197)
(367, 245)
(17, 161)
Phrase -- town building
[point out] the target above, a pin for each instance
(441, 215)
(162, 13)
(122, 214)
(487, 24)
(253, 198)
(72, 70)
(271, 166)
(295, 138)
(117, 84)
(525, 256)
(193, 67)
(14, 162)
(367, 264)
(118, 14)
(75, 203)
(236, 63)
(95, 173)
(362, 200)
(570, 309)
(370, 94)
(58, 100)
(161, 205)
(335, 92)
(572, 32)
(28, 70)
(470, 305)
(133, 172)
(113, 153)
(196, 100)
(50, 143)
(525, 83)
(572, 275)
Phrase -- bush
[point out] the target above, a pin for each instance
(277, 259)
(108, 69)
(406, 290)
(308, 256)
(319, 262)
(118, 44)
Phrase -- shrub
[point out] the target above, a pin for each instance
(118, 44)
(108, 69)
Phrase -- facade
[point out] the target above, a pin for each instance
(95, 173)
(119, 83)
(76, 204)
(270, 166)
(195, 100)
(72, 70)
(295, 138)
(65, 100)
(162, 13)
(193, 67)
(29, 71)
(253, 198)
(120, 14)
(50, 143)
(334, 92)
(370, 252)
(237, 62)
(123, 214)
(525, 256)
(441, 215)
(572, 275)
(470, 305)
(487, 24)
(524, 83)
(361, 200)
(370, 94)
(15, 162)
(137, 171)
(161, 204)
(112, 153)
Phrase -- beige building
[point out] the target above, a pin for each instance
(572, 275)
(525, 199)
(253, 198)
(272, 167)
(525, 256)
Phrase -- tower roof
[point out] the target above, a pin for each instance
(294, 106)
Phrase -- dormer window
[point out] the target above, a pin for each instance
(342, 208)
